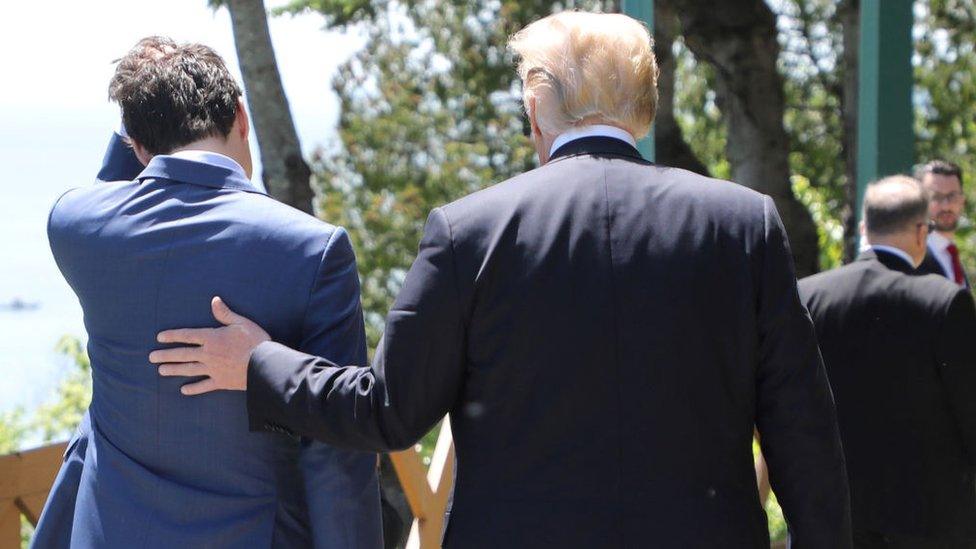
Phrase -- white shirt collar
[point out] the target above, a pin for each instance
(939, 242)
(938, 245)
(595, 130)
(896, 251)
(212, 158)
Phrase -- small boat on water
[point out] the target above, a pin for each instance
(17, 305)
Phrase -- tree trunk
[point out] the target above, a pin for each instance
(739, 39)
(671, 149)
(284, 171)
(849, 12)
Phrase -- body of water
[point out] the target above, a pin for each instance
(42, 158)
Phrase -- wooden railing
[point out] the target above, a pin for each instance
(26, 478)
(427, 490)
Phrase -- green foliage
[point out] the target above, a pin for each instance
(57, 419)
(431, 111)
(776, 522)
(13, 430)
(824, 207)
(697, 112)
(811, 42)
(54, 420)
(339, 13)
(774, 513)
(26, 532)
(945, 117)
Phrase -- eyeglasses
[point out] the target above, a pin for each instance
(948, 198)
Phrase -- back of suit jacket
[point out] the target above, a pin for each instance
(605, 334)
(164, 470)
(899, 355)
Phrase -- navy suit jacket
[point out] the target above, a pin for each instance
(605, 334)
(150, 467)
(899, 354)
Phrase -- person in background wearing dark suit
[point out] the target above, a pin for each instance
(943, 181)
(901, 361)
(605, 334)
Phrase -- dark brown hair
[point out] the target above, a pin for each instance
(173, 94)
(938, 167)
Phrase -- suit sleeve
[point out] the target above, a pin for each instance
(956, 359)
(341, 488)
(333, 325)
(120, 162)
(795, 410)
(413, 382)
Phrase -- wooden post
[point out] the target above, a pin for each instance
(9, 525)
(25, 480)
(427, 491)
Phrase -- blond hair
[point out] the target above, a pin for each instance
(585, 68)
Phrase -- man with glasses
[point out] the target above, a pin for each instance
(943, 181)
(899, 357)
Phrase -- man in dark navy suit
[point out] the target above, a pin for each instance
(149, 468)
(604, 333)
(900, 357)
(943, 181)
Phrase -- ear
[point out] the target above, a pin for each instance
(142, 154)
(242, 119)
(533, 119)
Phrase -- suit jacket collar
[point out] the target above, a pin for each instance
(597, 146)
(196, 173)
(889, 260)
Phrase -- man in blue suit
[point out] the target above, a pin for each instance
(150, 469)
(120, 163)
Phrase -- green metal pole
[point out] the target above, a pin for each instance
(885, 138)
(643, 10)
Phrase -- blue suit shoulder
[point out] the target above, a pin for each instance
(80, 203)
(104, 200)
(285, 222)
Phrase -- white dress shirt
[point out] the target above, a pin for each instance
(596, 130)
(896, 251)
(212, 158)
(938, 244)
(207, 157)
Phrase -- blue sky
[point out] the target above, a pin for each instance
(55, 120)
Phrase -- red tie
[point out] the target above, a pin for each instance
(956, 264)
